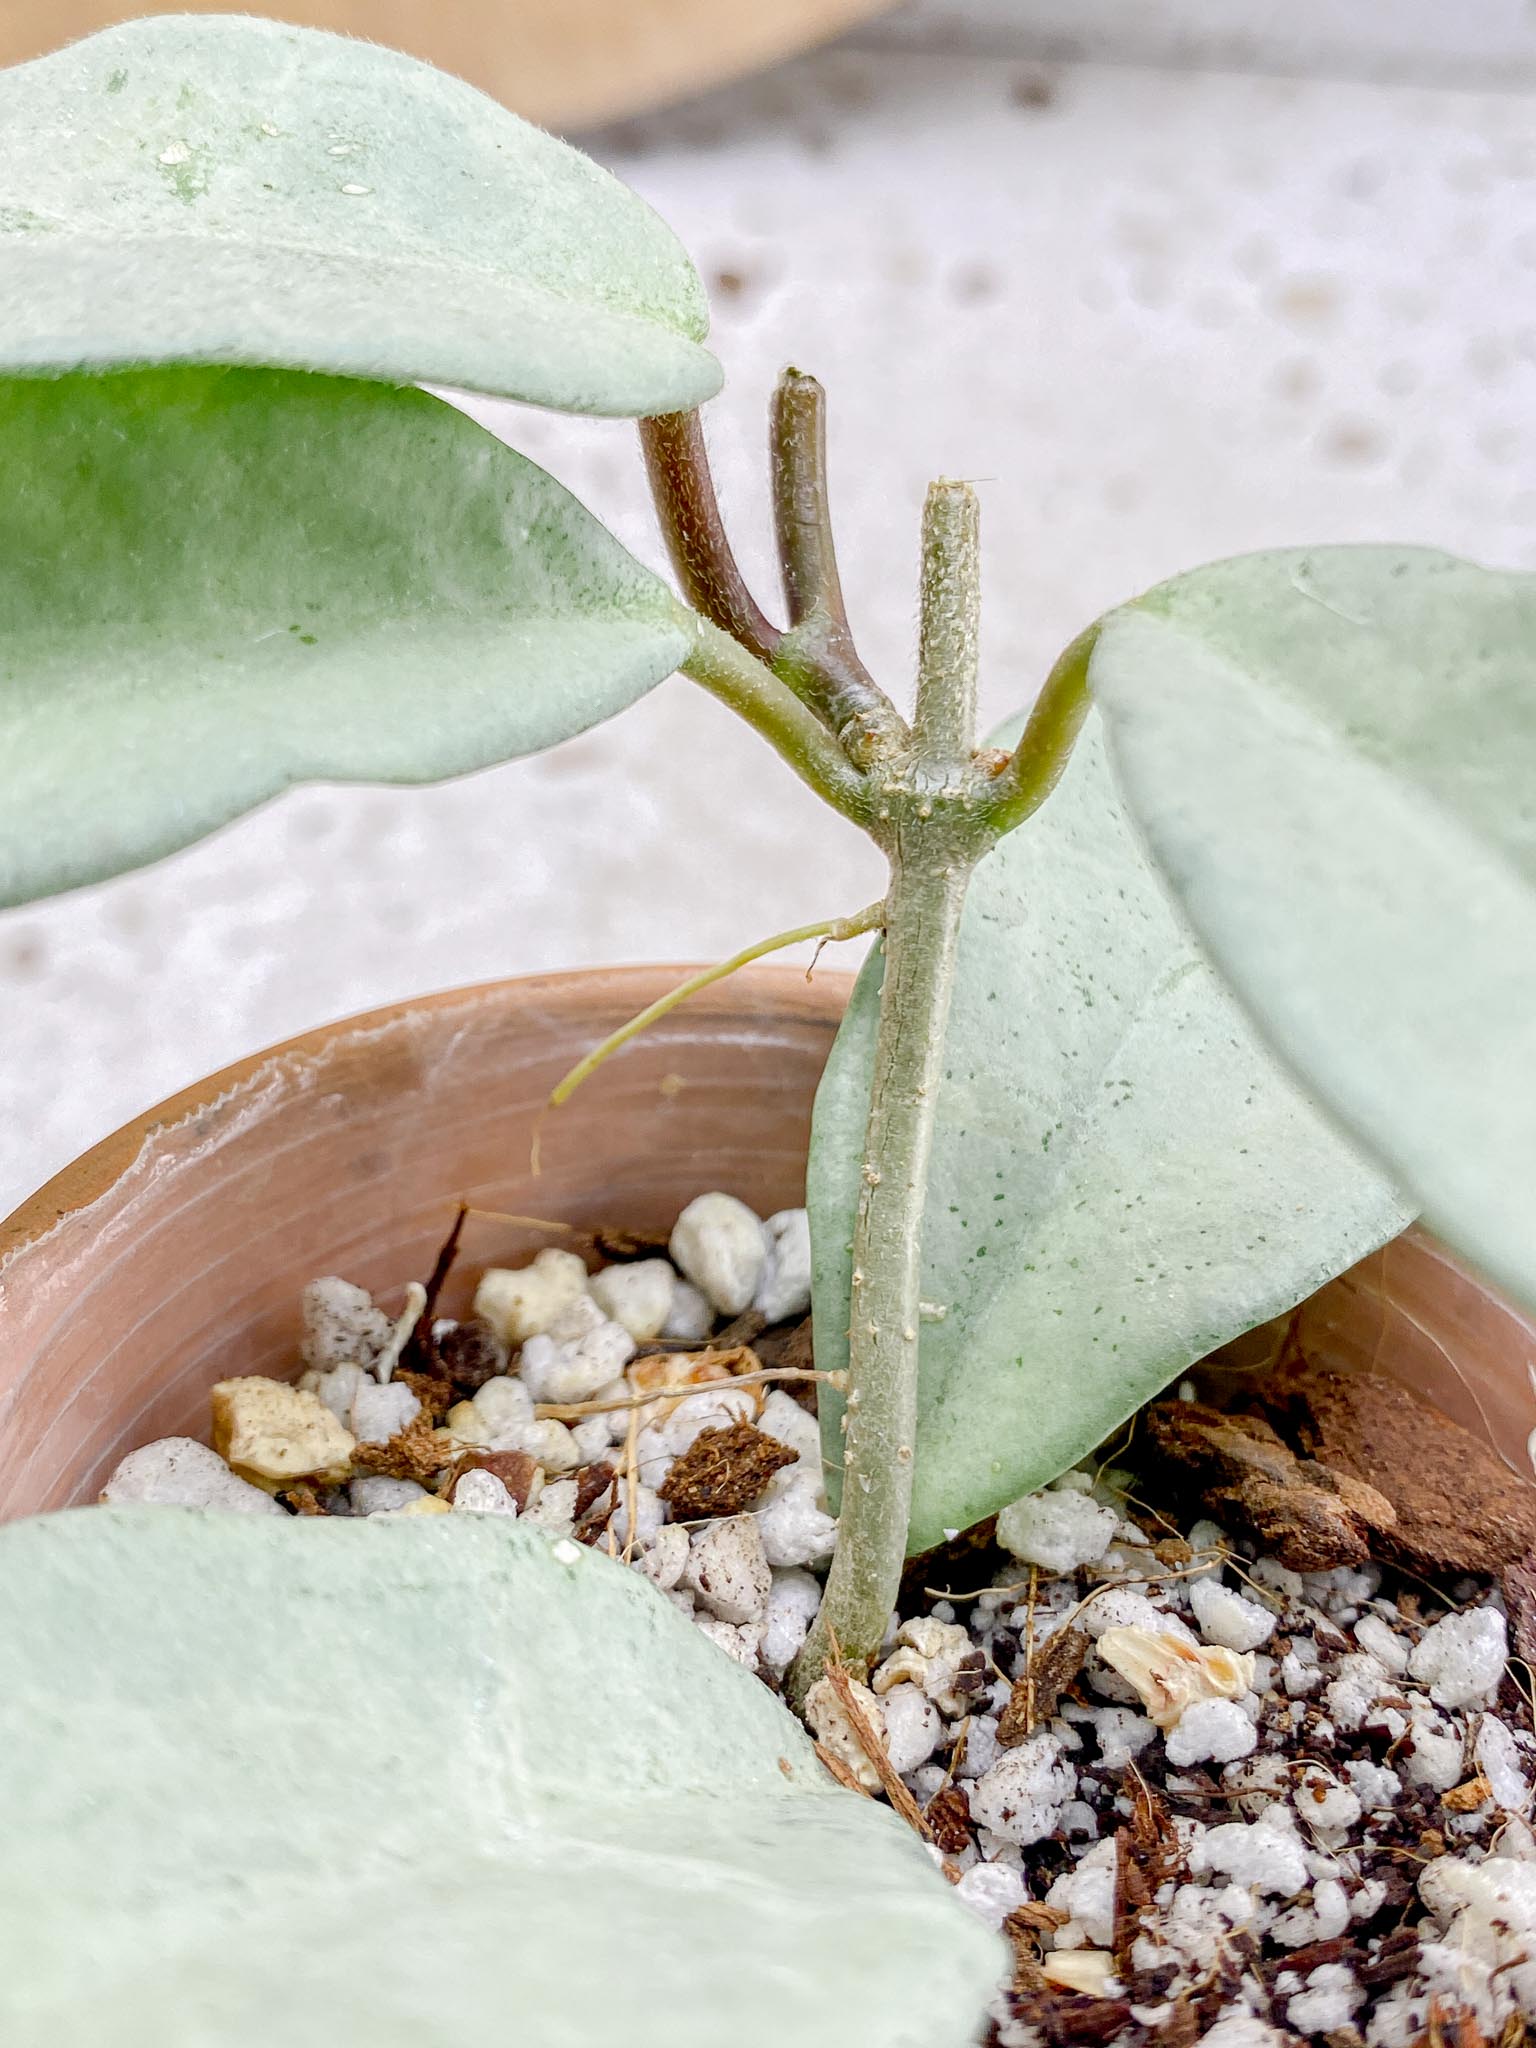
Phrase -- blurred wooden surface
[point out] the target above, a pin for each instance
(564, 63)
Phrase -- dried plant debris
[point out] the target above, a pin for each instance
(1050, 1670)
(417, 1452)
(1308, 1516)
(1148, 1856)
(1459, 1508)
(722, 1472)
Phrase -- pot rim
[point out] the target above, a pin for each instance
(89, 1176)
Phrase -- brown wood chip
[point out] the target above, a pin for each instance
(302, 1499)
(722, 1472)
(1458, 1506)
(1303, 1513)
(592, 1482)
(1038, 1689)
(948, 1814)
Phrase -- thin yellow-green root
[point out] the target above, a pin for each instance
(833, 929)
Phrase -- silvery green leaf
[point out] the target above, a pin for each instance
(425, 1784)
(215, 583)
(215, 188)
(1333, 755)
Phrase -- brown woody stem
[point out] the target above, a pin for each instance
(677, 464)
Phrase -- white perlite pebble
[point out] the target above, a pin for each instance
(341, 1325)
(555, 1509)
(740, 1644)
(551, 1443)
(1498, 1757)
(728, 1570)
(664, 1559)
(691, 1316)
(649, 1514)
(1264, 1856)
(375, 1495)
(505, 1409)
(179, 1472)
(1022, 1796)
(1325, 1806)
(795, 1528)
(638, 1297)
(992, 1891)
(520, 1303)
(1241, 2030)
(1437, 1755)
(1211, 1731)
(592, 1438)
(1462, 1658)
(378, 1413)
(929, 1653)
(1488, 1911)
(1328, 2002)
(479, 1492)
(784, 1419)
(1056, 1531)
(1086, 1894)
(1123, 1734)
(337, 1389)
(913, 1728)
(580, 1351)
(785, 1288)
(1226, 1619)
(718, 1243)
(1383, 1643)
(793, 1600)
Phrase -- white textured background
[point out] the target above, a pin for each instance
(1173, 280)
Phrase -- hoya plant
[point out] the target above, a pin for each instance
(1053, 1160)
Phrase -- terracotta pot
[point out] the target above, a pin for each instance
(565, 63)
(172, 1255)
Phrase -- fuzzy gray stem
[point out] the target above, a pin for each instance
(922, 936)
(944, 729)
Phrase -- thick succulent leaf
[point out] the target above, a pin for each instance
(1121, 1180)
(1333, 756)
(214, 583)
(418, 1785)
(212, 188)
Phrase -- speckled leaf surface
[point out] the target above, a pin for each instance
(1122, 1177)
(422, 1786)
(1333, 756)
(213, 188)
(214, 583)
